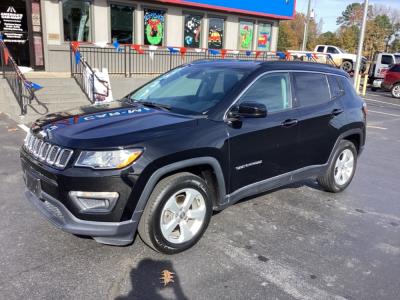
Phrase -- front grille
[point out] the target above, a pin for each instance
(47, 153)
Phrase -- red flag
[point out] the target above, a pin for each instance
(288, 55)
(75, 45)
(258, 53)
(223, 53)
(314, 56)
(182, 50)
(137, 48)
(6, 56)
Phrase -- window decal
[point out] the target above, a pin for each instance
(153, 27)
(246, 35)
(192, 31)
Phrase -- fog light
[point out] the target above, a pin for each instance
(94, 202)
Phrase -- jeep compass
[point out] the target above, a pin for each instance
(192, 141)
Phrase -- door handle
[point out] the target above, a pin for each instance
(337, 111)
(289, 123)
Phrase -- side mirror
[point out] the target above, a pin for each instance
(249, 110)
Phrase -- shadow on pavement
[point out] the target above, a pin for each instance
(147, 284)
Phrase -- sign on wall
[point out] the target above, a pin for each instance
(192, 31)
(246, 30)
(13, 24)
(280, 9)
(264, 37)
(216, 33)
(154, 22)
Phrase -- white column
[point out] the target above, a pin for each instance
(101, 21)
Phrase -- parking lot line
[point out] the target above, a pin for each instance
(383, 113)
(368, 99)
(24, 127)
(376, 127)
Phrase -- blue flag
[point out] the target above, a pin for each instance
(213, 51)
(77, 57)
(172, 50)
(32, 85)
(1, 37)
(248, 53)
(116, 45)
(281, 55)
(309, 55)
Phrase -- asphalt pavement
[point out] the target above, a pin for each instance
(297, 242)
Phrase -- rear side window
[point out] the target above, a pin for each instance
(272, 90)
(395, 68)
(311, 88)
(332, 50)
(335, 87)
(387, 59)
(320, 49)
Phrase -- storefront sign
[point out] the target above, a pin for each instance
(13, 25)
(280, 9)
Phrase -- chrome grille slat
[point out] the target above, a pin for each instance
(49, 154)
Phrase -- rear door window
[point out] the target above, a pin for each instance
(272, 90)
(335, 87)
(321, 49)
(332, 50)
(311, 88)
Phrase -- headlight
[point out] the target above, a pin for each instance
(116, 159)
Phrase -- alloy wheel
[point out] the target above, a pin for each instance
(344, 167)
(183, 216)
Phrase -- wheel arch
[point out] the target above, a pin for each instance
(198, 166)
(354, 135)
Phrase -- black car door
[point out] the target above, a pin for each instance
(320, 116)
(263, 148)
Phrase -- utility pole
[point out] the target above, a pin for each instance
(305, 37)
(360, 44)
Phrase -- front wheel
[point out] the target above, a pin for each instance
(396, 91)
(177, 213)
(341, 169)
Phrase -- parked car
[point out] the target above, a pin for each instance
(196, 139)
(379, 66)
(342, 58)
(392, 81)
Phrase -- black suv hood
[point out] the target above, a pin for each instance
(109, 125)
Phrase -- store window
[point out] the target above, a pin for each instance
(154, 27)
(216, 33)
(76, 20)
(192, 37)
(246, 33)
(264, 37)
(122, 23)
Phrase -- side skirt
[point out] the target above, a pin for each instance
(272, 183)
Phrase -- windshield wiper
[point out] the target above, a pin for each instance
(154, 105)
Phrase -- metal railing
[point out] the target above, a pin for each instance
(127, 61)
(23, 93)
(86, 78)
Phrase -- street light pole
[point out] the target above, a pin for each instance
(360, 44)
(305, 37)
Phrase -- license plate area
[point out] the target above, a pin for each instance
(33, 184)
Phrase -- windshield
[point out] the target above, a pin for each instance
(192, 89)
(397, 58)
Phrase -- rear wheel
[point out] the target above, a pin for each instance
(347, 66)
(396, 91)
(341, 169)
(374, 89)
(177, 213)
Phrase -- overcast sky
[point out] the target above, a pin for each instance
(329, 10)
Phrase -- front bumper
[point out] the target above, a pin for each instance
(113, 233)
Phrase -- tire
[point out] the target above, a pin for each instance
(347, 66)
(167, 224)
(374, 89)
(331, 180)
(395, 91)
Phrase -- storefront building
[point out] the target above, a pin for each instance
(215, 24)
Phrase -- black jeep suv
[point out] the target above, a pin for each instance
(196, 139)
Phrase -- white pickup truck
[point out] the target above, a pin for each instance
(346, 61)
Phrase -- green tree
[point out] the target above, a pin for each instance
(351, 16)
